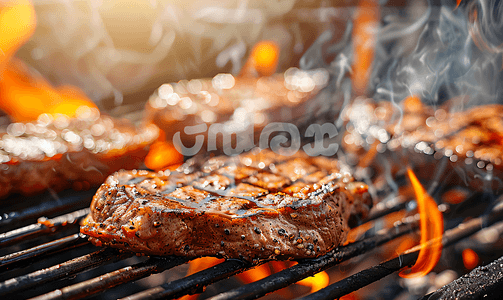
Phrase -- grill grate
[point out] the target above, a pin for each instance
(15, 261)
(365, 277)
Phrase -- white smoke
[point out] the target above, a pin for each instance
(115, 47)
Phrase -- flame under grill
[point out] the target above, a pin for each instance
(48, 237)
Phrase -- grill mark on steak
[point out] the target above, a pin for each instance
(214, 210)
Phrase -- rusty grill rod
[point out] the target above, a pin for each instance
(39, 228)
(368, 276)
(130, 273)
(66, 269)
(24, 256)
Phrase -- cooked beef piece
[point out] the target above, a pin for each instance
(236, 103)
(62, 153)
(418, 135)
(258, 205)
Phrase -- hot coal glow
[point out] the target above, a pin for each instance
(316, 282)
(432, 228)
(264, 58)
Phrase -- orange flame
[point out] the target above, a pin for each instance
(263, 60)
(257, 273)
(432, 228)
(163, 154)
(25, 96)
(316, 282)
(470, 258)
(197, 265)
(17, 24)
(364, 37)
(265, 56)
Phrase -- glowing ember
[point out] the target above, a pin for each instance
(257, 273)
(263, 59)
(23, 95)
(470, 258)
(317, 282)
(432, 228)
(364, 36)
(455, 196)
(351, 296)
(162, 155)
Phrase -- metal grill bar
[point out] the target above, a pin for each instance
(484, 282)
(93, 260)
(276, 281)
(71, 267)
(109, 280)
(192, 283)
(14, 259)
(43, 226)
(365, 277)
(73, 200)
(310, 267)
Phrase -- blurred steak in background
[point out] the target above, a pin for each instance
(60, 152)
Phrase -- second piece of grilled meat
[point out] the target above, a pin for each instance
(470, 140)
(64, 152)
(235, 103)
(258, 205)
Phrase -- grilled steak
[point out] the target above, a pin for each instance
(62, 153)
(257, 205)
(415, 133)
(237, 103)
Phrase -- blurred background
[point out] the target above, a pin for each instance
(125, 49)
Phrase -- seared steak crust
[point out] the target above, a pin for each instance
(60, 153)
(255, 206)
